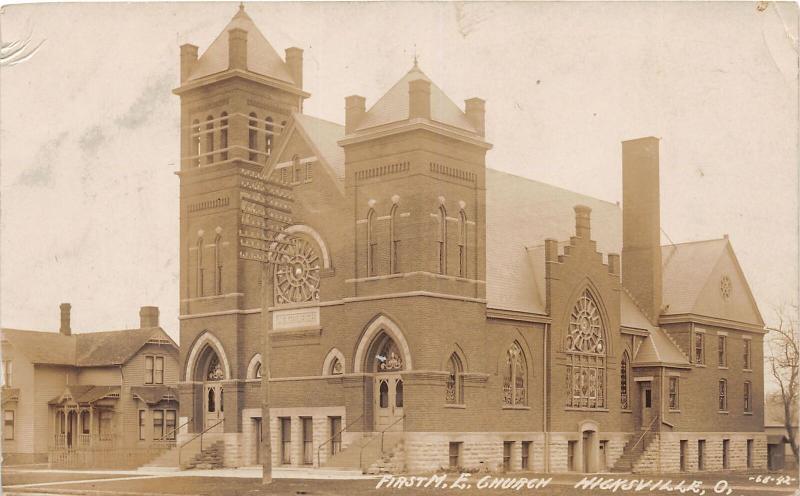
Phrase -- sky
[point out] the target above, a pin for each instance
(89, 127)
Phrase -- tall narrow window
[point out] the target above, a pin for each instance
(722, 351)
(252, 136)
(674, 393)
(270, 128)
(515, 377)
(442, 240)
(699, 352)
(209, 140)
(462, 244)
(200, 275)
(723, 395)
(195, 151)
(285, 175)
(286, 440)
(747, 355)
(169, 425)
(726, 448)
(158, 376)
(8, 425)
(158, 424)
(454, 450)
(586, 355)
(748, 396)
(223, 136)
(309, 172)
(7, 372)
(455, 389)
(371, 242)
(149, 366)
(701, 454)
(393, 241)
(218, 265)
(212, 400)
(623, 382)
(141, 425)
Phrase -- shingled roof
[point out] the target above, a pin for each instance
(92, 349)
(323, 136)
(393, 106)
(261, 56)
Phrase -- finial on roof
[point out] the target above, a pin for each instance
(241, 6)
(241, 11)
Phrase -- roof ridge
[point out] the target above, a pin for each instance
(614, 204)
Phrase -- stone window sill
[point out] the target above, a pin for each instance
(674, 411)
(723, 367)
(747, 370)
(626, 410)
(582, 409)
(747, 413)
(724, 412)
(516, 407)
(455, 405)
(700, 365)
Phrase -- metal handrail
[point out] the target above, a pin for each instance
(319, 448)
(195, 437)
(649, 427)
(166, 437)
(361, 453)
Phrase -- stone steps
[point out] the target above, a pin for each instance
(210, 458)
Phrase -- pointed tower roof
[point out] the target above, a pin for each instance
(261, 57)
(394, 105)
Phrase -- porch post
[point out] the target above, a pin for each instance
(66, 426)
(91, 425)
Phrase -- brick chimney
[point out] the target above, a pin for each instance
(148, 317)
(188, 59)
(475, 108)
(419, 99)
(583, 222)
(294, 60)
(237, 49)
(65, 329)
(641, 224)
(355, 106)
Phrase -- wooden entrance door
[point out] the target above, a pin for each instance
(646, 395)
(388, 401)
(213, 406)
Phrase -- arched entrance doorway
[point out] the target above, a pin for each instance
(212, 374)
(386, 363)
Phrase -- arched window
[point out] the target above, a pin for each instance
(384, 394)
(442, 240)
(398, 394)
(209, 140)
(586, 355)
(515, 376)
(393, 241)
(199, 276)
(268, 137)
(195, 151)
(218, 265)
(252, 136)
(337, 367)
(624, 398)
(257, 371)
(455, 389)
(371, 242)
(462, 244)
(212, 404)
(223, 136)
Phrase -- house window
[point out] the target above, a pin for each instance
(442, 240)
(141, 425)
(701, 454)
(515, 377)
(336, 434)
(462, 244)
(507, 447)
(309, 172)
(223, 136)
(85, 427)
(106, 424)
(586, 355)
(7, 369)
(748, 403)
(674, 393)
(526, 454)
(722, 350)
(170, 417)
(723, 395)
(747, 355)
(699, 353)
(749, 453)
(372, 243)
(454, 391)
(159, 370)
(455, 455)
(726, 447)
(286, 440)
(158, 424)
(623, 383)
(148, 369)
(8, 425)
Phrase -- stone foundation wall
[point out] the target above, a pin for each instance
(663, 453)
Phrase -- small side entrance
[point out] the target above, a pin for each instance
(214, 411)
(646, 396)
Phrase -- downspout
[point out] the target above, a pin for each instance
(544, 401)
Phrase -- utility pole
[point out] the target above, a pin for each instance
(265, 212)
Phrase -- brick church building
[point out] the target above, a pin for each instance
(429, 312)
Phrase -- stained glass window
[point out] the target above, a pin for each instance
(215, 372)
(297, 273)
(336, 367)
(586, 355)
(623, 383)
(453, 393)
(514, 377)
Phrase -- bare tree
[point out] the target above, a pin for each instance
(784, 359)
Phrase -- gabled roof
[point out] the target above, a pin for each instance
(393, 106)
(685, 269)
(261, 56)
(657, 347)
(323, 137)
(85, 393)
(154, 394)
(92, 349)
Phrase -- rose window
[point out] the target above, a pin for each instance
(586, 350)
(297, 273)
